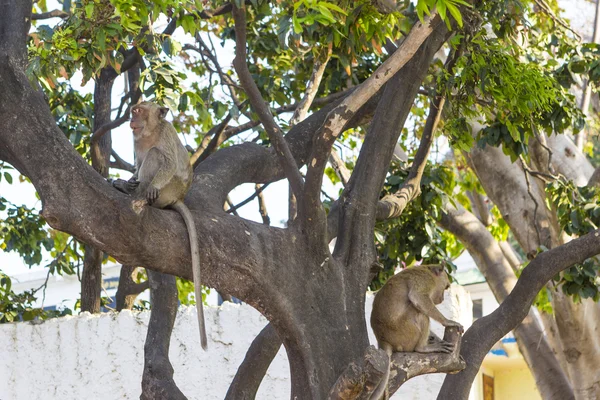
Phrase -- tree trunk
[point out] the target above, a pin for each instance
(91, 277)
(325, 332)
(157, 380)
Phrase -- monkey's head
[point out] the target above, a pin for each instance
(145, 117)
(442, 282)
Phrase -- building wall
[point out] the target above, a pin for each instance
(515, 384)
(101, 356)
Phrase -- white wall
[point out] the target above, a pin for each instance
(101, 356)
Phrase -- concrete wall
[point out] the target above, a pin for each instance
(101, 356)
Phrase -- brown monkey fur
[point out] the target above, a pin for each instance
(401, 312)
(163, 176)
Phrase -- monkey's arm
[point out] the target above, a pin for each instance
(154, 173)
(423, 303)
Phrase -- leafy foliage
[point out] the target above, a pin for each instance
(578, 211)
(516, 99)
(18, 306)
(415, 236)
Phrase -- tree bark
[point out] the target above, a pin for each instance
(157, 379)
(551, 380)
(128, 289)
(487, 330)
(533, 224)
(252, 370)
(91, 277)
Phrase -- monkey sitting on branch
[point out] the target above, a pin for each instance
(401, 312)
(162, 178)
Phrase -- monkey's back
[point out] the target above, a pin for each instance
(394, 319)
(180, 182)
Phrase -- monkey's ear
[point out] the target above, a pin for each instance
(437, 269)
(162, 112)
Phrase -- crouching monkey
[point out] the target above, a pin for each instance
(401, 312)
(163, 176)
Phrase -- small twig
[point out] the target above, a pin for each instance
(120, 163)
(51, 14)
(546, 8)
(100, 132)
(230, 206)
(210, 142)
(262, 206)
(339, 167)
(249, 199)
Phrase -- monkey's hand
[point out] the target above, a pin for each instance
(126, 187)
(449, 322)
(440, 346)
(152, 194)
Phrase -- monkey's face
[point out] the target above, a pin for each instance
(145, 116)
(139, 116)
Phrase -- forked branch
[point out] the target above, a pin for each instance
(339, 116)
(273, 130)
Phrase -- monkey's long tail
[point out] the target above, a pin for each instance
(193, 235)
(381, 388)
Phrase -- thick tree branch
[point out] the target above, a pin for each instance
(496, 269)
(252, 370)
(357, 208)
(394, 204)
(313, 84)
(128, 289)
(337, 118)
(15, 21)
(486, 331)
(282, 149)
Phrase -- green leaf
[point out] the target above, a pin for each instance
(333, 7)
(441, 8)
(89, 10)
(455, 13)
(8, 178)
(101, 40)
(297, 26)
(422, 9)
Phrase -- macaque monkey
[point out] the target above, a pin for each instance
(401, 312)
(162, 178)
